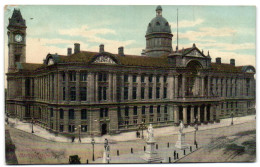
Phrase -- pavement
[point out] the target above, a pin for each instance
(126, 136)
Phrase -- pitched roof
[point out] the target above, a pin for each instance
(30, 66)
(228, 68)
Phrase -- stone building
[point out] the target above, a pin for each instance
(111, 93)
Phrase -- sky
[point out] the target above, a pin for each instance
(225, 31)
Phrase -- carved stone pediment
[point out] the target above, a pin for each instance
(104, 60)
(195, 53)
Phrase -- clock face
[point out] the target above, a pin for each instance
(18, 38)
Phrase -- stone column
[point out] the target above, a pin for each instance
(122, 86)
(138, 89)
(94, 122)
(96, 87)
(110, 87)
(171, 113)
(202, 86)
(77, 86)
(161, 87)
(183, 85)
(175, 86)
(176, 115)
(212, 111)
(192, 119)
(90, 87)
(209, 86)
(199, 115)
(146, 89)
(205, 115)
(185, 115)
(154, 87)
(67, 86)
(170, 87)
(66, 119)
(217, 112)
(130, 87)
(114, 87)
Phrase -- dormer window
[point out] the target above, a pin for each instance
(50, 62)
(157, 23)
(167, 24)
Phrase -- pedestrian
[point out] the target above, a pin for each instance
(72, 139)
(138, 134)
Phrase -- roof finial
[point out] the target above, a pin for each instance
(194, 45)
(158, 10)
(208, 52)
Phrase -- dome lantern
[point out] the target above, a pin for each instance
(158, 10)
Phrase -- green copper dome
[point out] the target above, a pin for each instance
(158, 24)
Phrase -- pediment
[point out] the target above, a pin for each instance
(195, 53)
(104, 59)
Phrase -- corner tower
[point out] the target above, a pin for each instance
(16, 40)
(158, 36)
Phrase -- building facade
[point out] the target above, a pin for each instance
(108, 93)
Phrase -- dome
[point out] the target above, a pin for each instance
(158, 24)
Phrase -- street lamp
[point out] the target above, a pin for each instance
(232, 116)
(32, 125)
(195, 131)
(142, 127)
(93, 143)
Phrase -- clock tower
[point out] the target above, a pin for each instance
(16, 40)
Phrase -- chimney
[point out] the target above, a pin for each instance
(101, 48)
(76, 47)
(232, 62)
(69, 51)
(121, 51)
(218, 60)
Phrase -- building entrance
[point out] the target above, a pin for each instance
(103, 129)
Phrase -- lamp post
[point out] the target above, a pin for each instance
(232, 116)
(142, 126)
(195, 131)
(93, 143)
(79, 133)
(32, 125)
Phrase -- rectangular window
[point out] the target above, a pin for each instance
(71, 128)
(125, 78)
(134, 78)
(150, 92)
(72, 93)
(135, 121)
(134, 93)
(142, 92)
(64, 93)
(157, 92)
(104, 93)
(101, 112)
(143, 110)
(99, 93)
(126, 111)
(83, 114)
(158, 109)
(164, 79)
(83, 76)
(71, 113)
(165, 92)
(165, 109)
(72, 76)
(135, 110)
(100, 77)
(106, 112)
(51, 110)
(61, 128)
(84, 128)
(142, 78)
(125, 93)
(157, 79)
(63, 76)
(150, 78)
(83, 93)
(61, 114)
(151, 110)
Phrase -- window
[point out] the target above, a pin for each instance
(143, 110)
(103, 112)
(63, 76)
(151, 110)
(126, 122)
(72, 76)
(150, 92)
(61, 114)
(135, 121)
(135, 110)
(126, 111)
(102, 77)
(71, 128)
(83, 76)
(64, 93)
(157, 78)
(84, 128)
(165, 109)
(83, 93)
(165, 92)
(164, 79)
(143, 120)
(125, 92)
(72, 93)
(158, 109)
(151, 119)
(134, 78)
(134, 93)
(150, 78)
(157, 92)
(142, 78)
(61, 128)
(158, 119)
(102, 93)
(71, 113)
(51, 110)
(142, 92)
(125, 78)
(83, 114)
